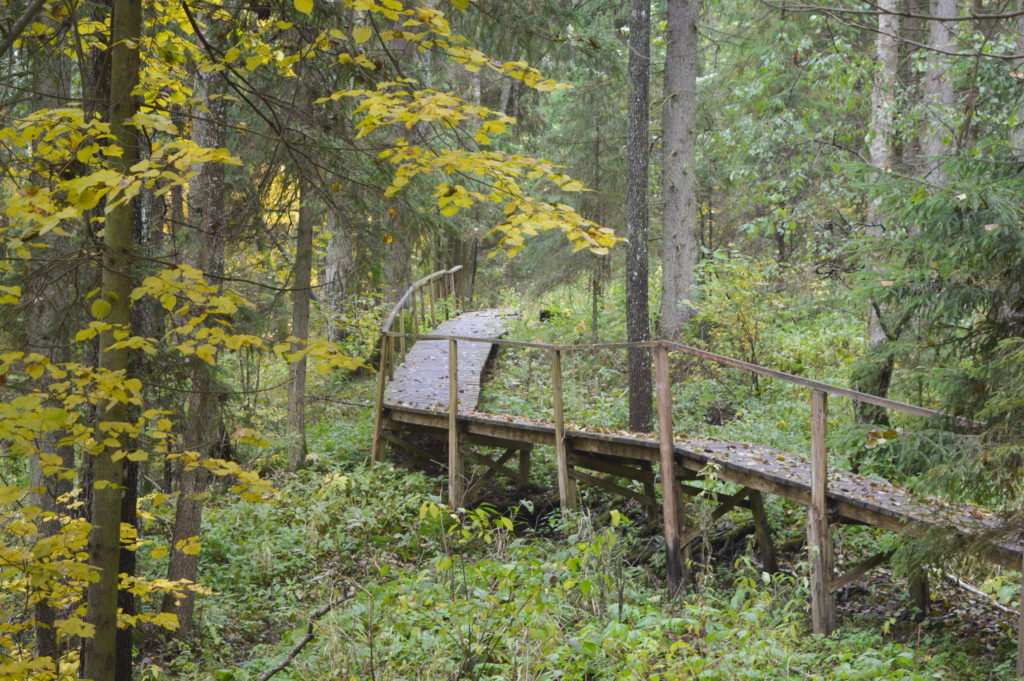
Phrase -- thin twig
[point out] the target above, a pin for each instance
(956, 581)
(297, 648)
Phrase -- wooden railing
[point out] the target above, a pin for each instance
(419, 300)
(818, 525)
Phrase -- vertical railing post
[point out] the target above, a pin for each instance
(456, 481)
(674, 562)
(819, 534)
(401, 338)
(566, 484)
(414, 312)
(378, 420)
(433, 316)
(390, 357)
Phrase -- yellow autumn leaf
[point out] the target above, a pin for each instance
(361, 34)
(100, 308)
(304, 6)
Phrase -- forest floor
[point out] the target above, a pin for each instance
(422, 595)
(511, 590)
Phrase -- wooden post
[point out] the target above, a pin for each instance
(566, 485)
(456, 483)
(391, 357)
(920, 595)
(819, 535)
(378, 419)
(433, 316)
(414, 313)
(763, 532)
(524, 467)
(669, 492)
(401, 339)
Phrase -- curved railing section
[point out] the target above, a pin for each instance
(422, 303)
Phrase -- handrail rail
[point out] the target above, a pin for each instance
(416, 285)
(718, 359)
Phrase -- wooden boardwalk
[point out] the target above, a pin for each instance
(418, 401)
(422, 379)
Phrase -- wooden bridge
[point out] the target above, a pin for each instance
(417, 395)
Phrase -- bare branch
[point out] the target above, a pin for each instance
(20, 26)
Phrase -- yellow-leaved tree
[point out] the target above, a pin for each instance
(115, 230)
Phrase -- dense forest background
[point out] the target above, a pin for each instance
(209, 208)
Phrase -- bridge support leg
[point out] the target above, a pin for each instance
(819, 533)
(763, 532)
(674, 562)
(524, 467)
(456, 481)
(920, 596)
(378, 418)
(566, 483)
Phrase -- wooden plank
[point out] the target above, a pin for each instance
(606, 484)
(763, 532)
(819, 538)
(455, 478)
(611, 468)
(859, 570)
(566, 484)
(852, 498)
(669, 493)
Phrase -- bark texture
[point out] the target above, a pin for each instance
(680, 233)
(203, 430)
(339, 272)
(875, 371)
(638, 138)
(938, 94)
(99, 652)
(300, 329)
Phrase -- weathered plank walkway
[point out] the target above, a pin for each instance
(420, 400)
(422, 379)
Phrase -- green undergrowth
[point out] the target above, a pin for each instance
(423, 593)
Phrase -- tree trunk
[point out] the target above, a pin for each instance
(1017, 135)
(680, 233)
(301, 282)
(99, 652)
(938, 95)
(339, 272)
(874, 373)
(203, 427)
(638, 139)
(47, 306)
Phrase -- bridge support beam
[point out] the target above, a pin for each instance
(819, 533)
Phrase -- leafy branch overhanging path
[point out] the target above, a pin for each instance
(416, 395)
